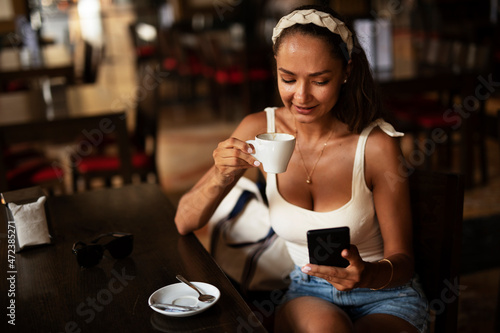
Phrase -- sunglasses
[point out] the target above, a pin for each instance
(89, 255)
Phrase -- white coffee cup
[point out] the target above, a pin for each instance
(273, 150)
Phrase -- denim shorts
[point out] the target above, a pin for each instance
(407, 301)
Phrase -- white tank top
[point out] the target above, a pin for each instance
(292, 222)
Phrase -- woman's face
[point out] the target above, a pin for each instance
(309, 78)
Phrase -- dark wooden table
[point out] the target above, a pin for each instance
(53, 294)
(54, 60)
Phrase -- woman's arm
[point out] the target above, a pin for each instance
(198, 204)
(388, 180)
(231, 159)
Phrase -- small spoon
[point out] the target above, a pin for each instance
(174, 307)
(203, 297)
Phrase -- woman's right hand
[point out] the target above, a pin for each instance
(233, 156)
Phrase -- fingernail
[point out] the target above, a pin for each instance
(250, 150)
(306, 269)
(256, 163)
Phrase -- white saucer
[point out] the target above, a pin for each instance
(182, 294)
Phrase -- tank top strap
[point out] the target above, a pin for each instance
(270, 112)
(359, 159)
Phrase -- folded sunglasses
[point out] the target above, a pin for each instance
(88, 255)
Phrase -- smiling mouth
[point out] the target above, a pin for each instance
(303, 108)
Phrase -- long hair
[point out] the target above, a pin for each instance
(359, 101)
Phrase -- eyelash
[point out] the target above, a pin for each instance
(322, 83)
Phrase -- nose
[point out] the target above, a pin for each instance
(301, 94)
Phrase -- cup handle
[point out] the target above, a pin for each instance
(254, 144)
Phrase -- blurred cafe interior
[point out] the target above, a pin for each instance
(181, 74)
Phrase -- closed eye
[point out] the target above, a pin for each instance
(322, 83)
(287, 81)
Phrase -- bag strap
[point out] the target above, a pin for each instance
(251, 262)
(241, 203)
(245, 196)
(244, 244)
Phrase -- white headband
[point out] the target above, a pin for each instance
(318, 18)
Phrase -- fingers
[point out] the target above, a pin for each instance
(341, 278)
(338, 277)
(352, 255)
(234, 154)
(329, 273)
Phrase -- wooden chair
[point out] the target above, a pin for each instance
(234, 73)
(437, 211)
(104, 163)
(28, 165)
(62, 131)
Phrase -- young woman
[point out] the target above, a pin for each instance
(345, 171)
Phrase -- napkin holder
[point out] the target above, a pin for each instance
(25, 209)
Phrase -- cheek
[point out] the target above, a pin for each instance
(330, 93)
(286, 91)
(326, 95)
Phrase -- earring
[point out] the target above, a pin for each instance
(345, 81)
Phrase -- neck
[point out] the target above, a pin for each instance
(319, 130)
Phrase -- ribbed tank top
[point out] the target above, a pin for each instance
(292, 222)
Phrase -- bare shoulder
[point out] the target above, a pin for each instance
(379, 142)
(382, 154)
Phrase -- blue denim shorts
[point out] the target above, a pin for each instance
(407, 302)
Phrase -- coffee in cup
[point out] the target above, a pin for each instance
(273, 150)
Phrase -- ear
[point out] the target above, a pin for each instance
(348, 69)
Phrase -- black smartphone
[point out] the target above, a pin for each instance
(326, 245)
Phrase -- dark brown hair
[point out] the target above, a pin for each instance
(359, 101)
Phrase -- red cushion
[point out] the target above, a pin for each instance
(140, 160)
(195, 65)
(236, 76)
(231, 76)
(26, 167)
(145, 50)
(433, 121)
(221, 76)
(33, 172)
(424, 112)
(47, 174)
(170, 63)
(257, 74)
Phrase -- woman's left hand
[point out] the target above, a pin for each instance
(343, 279)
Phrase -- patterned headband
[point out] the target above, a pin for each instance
(318, 18)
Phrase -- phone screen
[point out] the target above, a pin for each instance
(326, 245)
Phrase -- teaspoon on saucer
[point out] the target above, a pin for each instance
(174, 307)
(203, 297)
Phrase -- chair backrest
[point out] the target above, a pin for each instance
(92, 59)
(69, 129)
(437, 210)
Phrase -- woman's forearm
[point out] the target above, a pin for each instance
(198, 205)
(390, 272)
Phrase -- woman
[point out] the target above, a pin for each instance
(341, 174)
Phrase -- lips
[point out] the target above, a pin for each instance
(303, 109)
